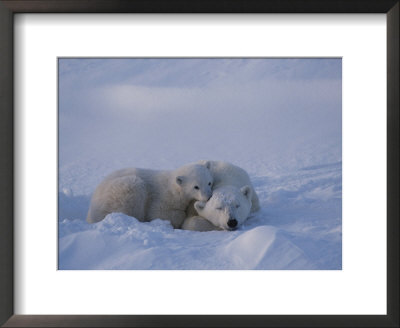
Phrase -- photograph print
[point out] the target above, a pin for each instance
(199, 163)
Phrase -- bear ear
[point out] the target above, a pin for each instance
(199, 206)
(246, 191)
(179, 180)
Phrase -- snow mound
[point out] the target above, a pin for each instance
(122, 242)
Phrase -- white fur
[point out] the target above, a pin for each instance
(198, 223)
(232, 187)
(226, 203)
(227, 174)
(150, 194)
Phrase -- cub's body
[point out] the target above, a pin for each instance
(150, 194)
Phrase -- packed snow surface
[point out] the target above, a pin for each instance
(279, 119)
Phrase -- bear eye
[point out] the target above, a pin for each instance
(209, 183)
(219, 208)
(237, 206)
(196, 187)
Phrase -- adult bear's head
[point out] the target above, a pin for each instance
(227, 208)
(195, 181)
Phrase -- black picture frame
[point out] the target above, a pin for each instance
(10, 7)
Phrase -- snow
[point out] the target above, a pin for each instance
(279, 119)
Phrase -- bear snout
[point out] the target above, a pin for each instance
(232, 223)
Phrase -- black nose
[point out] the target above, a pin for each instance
(232, 223)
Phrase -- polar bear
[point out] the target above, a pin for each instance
(232, 187)
(150, 194)
(227, 209)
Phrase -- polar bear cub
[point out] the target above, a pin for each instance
(233, 199)
(151, 194)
